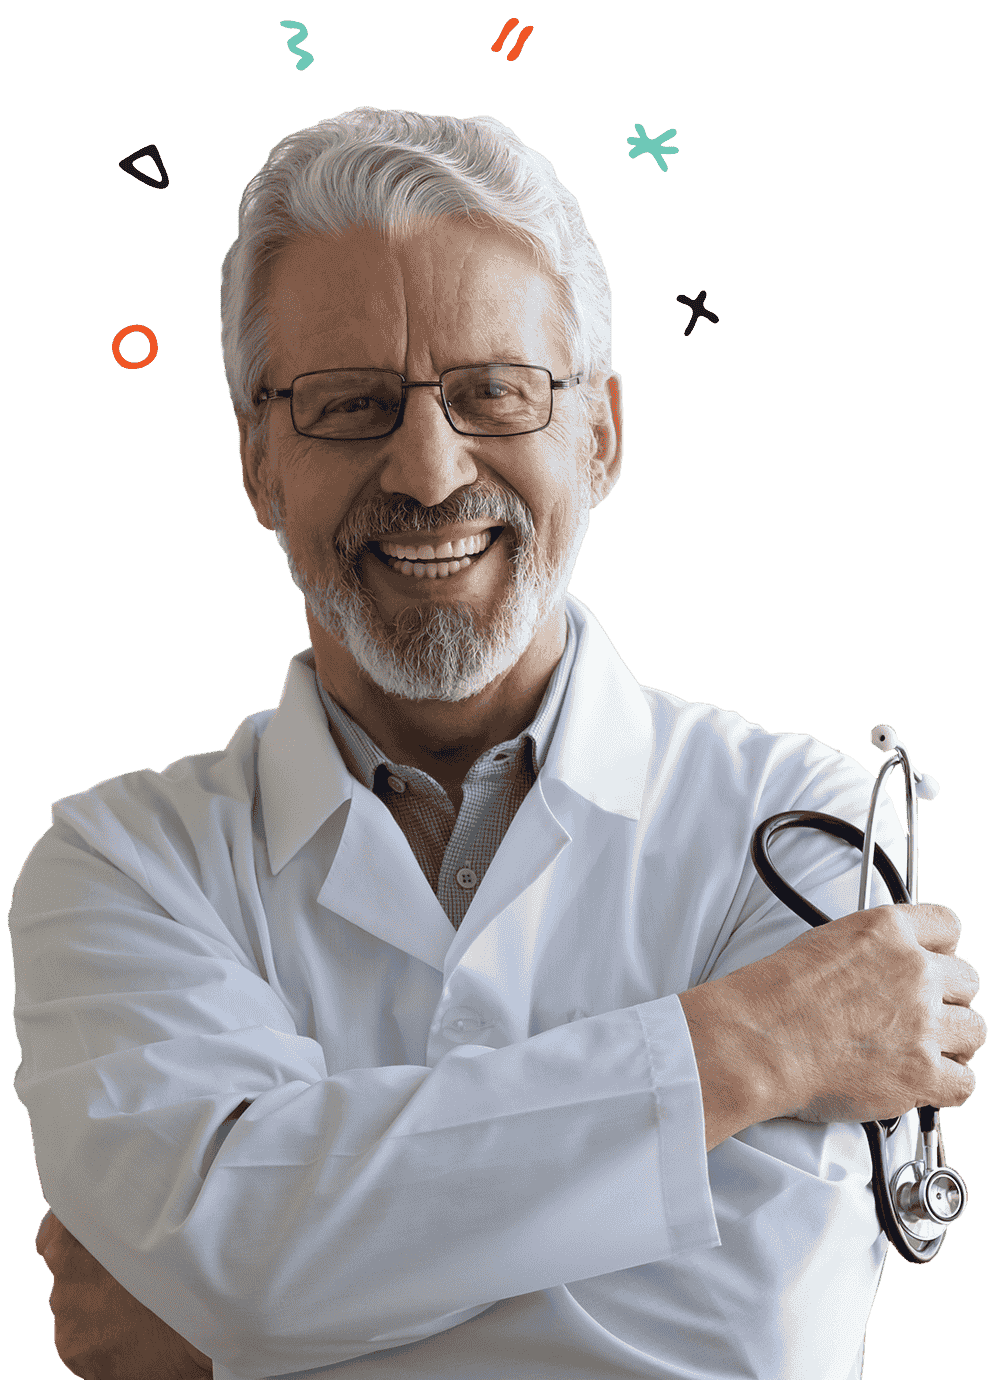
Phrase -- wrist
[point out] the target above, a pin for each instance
(742, 1081)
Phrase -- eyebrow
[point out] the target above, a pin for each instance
(498, 357)
(493, 357)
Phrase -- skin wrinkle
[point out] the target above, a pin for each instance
(291, 309)
(437, 669)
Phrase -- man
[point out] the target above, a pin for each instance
(440, 1026)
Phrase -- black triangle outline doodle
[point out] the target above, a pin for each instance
(128, 165)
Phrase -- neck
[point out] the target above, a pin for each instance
(442, 737)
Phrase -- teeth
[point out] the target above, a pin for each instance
(436, 570)
(449, 551)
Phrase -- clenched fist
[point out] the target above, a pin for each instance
(869, 1016)
(861, 1019)
(102, 1332)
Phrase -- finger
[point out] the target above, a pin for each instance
(963, 1031)
(958, 1084)
(59, 1248)
(960, 981)
(44, 1232)
(937, 928)
(966, 977)
(52, 1237)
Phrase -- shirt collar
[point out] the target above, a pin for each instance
(365, 756)
(594, 734)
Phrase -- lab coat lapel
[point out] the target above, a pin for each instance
(376, 883)
(596, 767)
(490, 965)
(598, 758)
(530, 846)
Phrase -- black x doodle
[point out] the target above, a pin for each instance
(697, 309)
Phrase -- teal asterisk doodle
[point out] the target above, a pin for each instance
(646, 145)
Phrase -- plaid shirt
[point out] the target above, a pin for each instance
(454, 851)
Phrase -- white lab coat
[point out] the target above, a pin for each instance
(475, 1154)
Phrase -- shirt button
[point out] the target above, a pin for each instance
(465, 876)
(398, 786)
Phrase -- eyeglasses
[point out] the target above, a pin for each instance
(366, 404)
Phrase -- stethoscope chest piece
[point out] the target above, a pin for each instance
(927, 1202)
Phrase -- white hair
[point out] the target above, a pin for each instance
(390, 170)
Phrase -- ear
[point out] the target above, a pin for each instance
(256, 481)
(606, 460)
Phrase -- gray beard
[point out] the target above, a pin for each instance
(443, 651)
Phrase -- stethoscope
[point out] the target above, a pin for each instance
(925, 1195)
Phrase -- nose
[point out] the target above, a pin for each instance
(426, 459)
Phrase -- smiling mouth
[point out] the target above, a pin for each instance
(417, 567)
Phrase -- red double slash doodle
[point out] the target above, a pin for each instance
(522, 39)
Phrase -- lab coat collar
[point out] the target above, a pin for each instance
(603, 740)
(301, 774)
(600, 749)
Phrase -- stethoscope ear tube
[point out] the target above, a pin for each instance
(912, 1248)
(825, 824)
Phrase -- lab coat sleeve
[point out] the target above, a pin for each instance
(344, 1212)
(790, 1291)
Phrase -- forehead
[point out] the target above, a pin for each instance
(448, 294)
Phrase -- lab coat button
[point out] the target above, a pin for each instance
(398, 786)
(465, 876)
(464, 1025)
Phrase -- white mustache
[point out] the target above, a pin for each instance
(377, 520)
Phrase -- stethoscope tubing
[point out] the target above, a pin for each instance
(877, 1132)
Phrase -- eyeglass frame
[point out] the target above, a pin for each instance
(269, 394)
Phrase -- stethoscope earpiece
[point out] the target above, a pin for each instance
(884, 737)
(927, 787)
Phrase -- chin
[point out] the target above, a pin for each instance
(436, 651)
(445, 651)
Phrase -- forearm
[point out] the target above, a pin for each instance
(741, 1082)
(395, 1200)
(100, 1328)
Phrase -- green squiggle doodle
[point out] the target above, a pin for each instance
(304, 58)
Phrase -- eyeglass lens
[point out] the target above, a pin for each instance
(485, 400)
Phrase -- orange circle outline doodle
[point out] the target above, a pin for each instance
(127, 363)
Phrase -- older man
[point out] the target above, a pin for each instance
(439, 1026)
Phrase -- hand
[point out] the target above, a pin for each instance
(102, 1332)
(867, 1017)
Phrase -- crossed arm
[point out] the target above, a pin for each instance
(102, 1332)
(769, 1040)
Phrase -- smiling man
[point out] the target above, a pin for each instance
(413, 613)
(439, 1026)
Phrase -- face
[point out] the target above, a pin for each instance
(432, 557)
